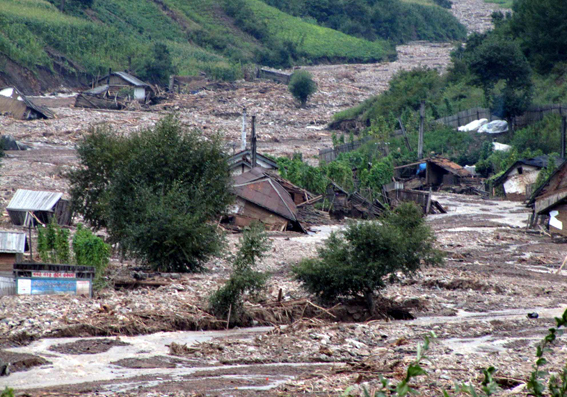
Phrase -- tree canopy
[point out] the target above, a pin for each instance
(157, 192)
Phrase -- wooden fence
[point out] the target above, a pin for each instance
(7, 286)
(531, 116)
(466, 116)
(328, 155)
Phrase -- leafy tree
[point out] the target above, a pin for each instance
(540, 27)
(158, 66)
(302, 86)
(494, 60)
(244, 278)
(159, 198)
(358, 261)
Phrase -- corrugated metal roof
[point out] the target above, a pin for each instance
(131, 79)
(12, 242)
(97, 90)
(31, 200)
(450, 166)
(246, 156)
(263, 191)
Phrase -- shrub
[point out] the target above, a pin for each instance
(90, 250)
(244, 278)
(302, 86)
(357, 261)
(53, 243)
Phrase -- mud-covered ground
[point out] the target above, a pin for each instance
(476, 304)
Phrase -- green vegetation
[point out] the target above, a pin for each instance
(158, 193)
(90, 250)
(392, 20)
(502, 3)
(506, 69)
(227, 301)
(356, 263)
(302, 86)
(124, 34)
(53, 243)
(7, 392)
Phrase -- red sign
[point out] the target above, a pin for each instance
(53, 275)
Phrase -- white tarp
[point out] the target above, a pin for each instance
(500, 147)
(473, 125)
(553, 221)
(494, 127)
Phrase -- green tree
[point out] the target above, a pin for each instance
(159, 199)
(358, 261)
(244, 278)
(540, 27)
(158, 66)
(302, 86)
(499, 60)
(53, 243)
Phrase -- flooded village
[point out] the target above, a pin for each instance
(151, 333)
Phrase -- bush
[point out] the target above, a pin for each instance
(157, 192)
(357, 262)
(53, 243)
(244, 278)
(302, 86)
(90, 250)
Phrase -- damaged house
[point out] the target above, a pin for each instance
(519, 179)
(241, 162)
(435, 173)
(259, 197)
(17, 105)
(115, 86)
(38, 206)
(550, 201)
(353, 205)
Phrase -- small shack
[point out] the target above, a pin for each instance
(17, 105)
(115, 83)
(433, 173)
(13, 245)
(550, 201)
(261, 198)
(520, 178)
(32, 206)
(241, 162)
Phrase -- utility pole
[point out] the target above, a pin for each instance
(404, 134)
(243, 139)
(563, 136)
(253, 141)
(421, 126)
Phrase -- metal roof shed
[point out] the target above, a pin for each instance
(12, 248)
(43, 205)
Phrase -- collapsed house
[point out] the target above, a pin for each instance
(242, 161)
(549, 202)
(259, 197)
(17, 105)
(30, 207)
(110, 91)
(13, 245)
(352, 205)
(435, 173)
(519, 179)
(395, 194)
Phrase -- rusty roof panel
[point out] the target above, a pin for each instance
(268, 194)
(450, 166)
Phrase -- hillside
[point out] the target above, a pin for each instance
(42, 47)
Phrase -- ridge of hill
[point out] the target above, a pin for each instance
(42, 47)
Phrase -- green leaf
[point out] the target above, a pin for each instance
(415, 370)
